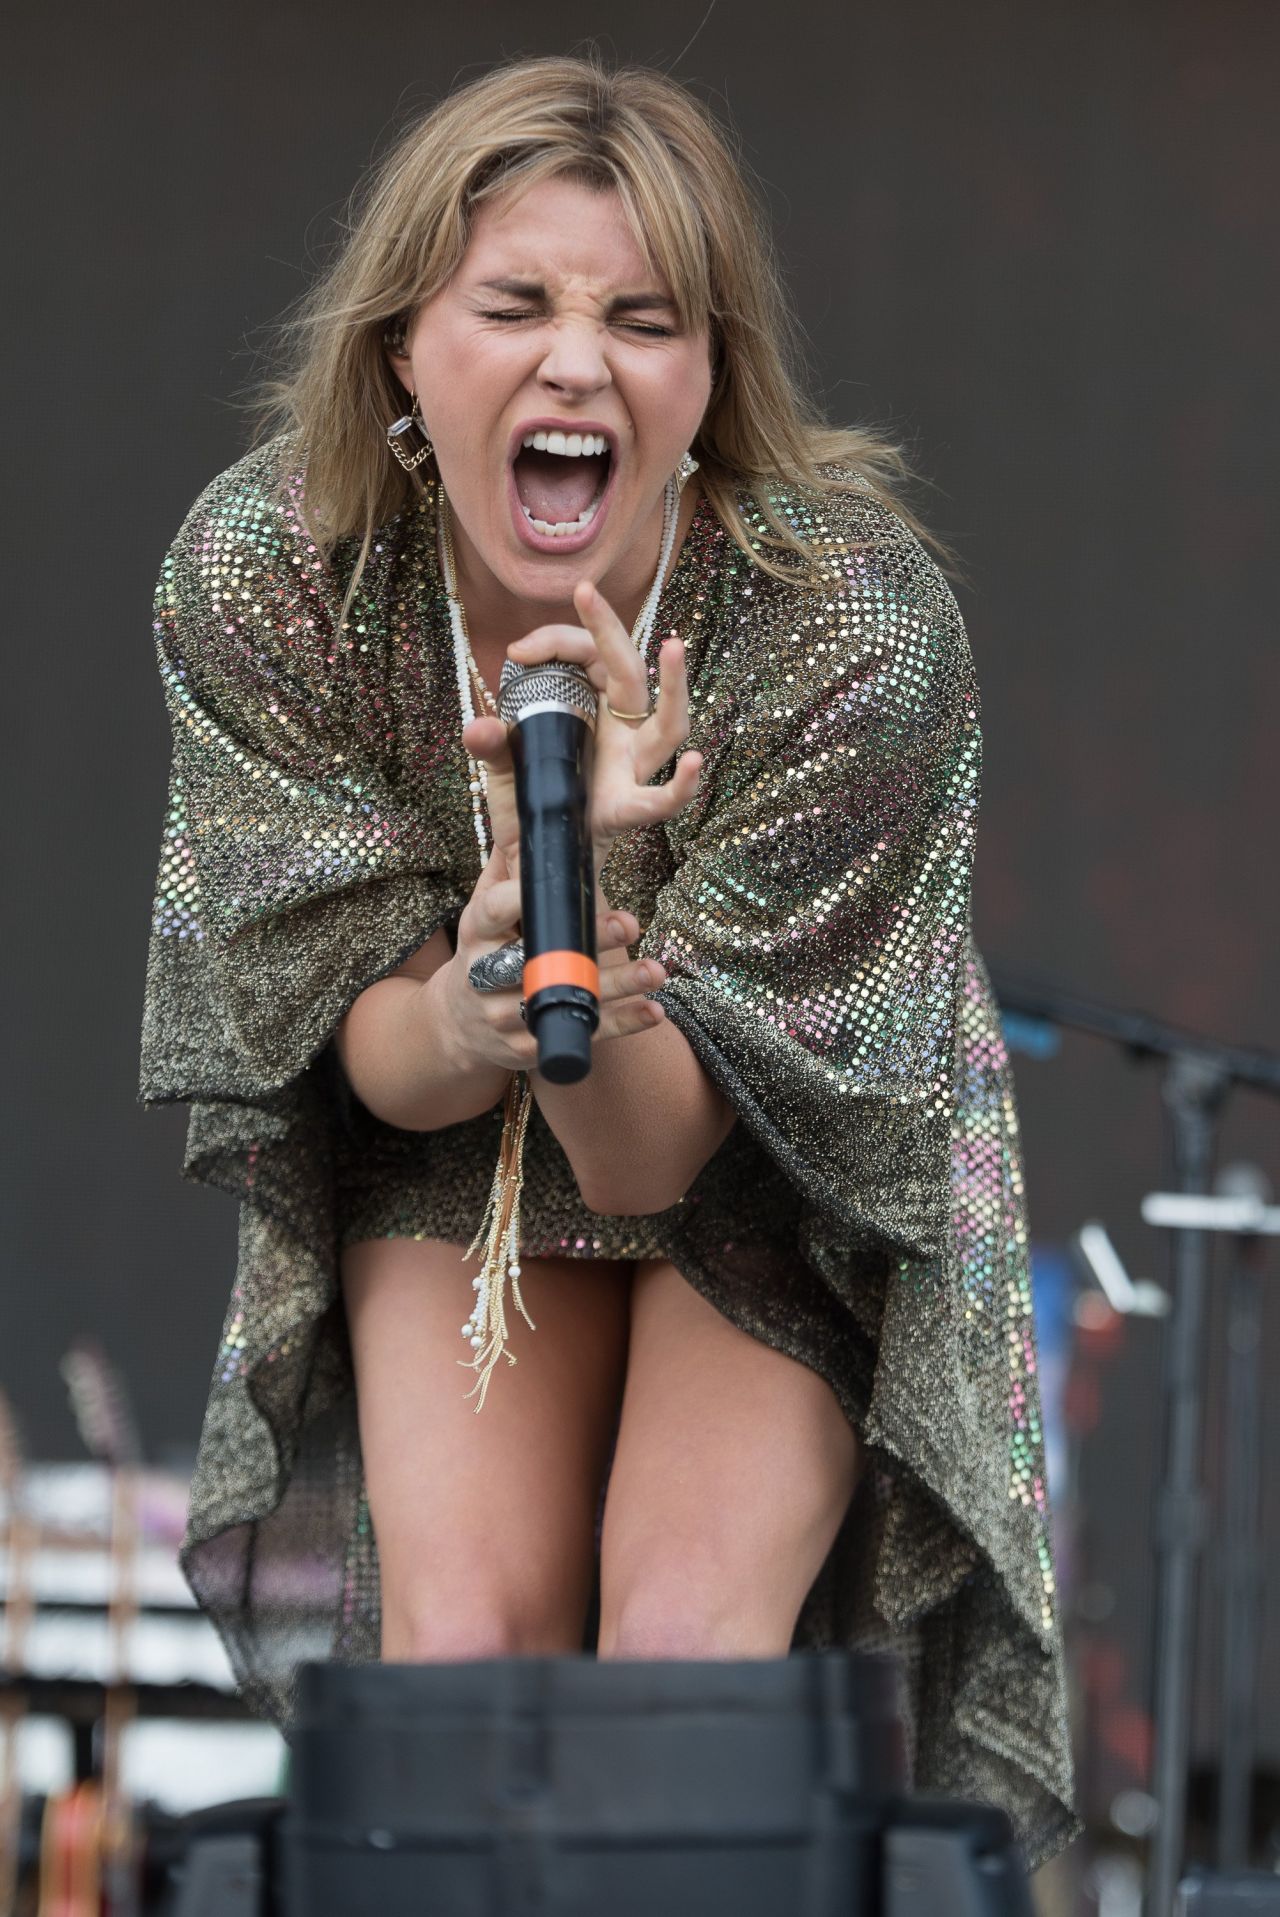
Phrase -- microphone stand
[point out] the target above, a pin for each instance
(1242, 1561)
(1198, 1075)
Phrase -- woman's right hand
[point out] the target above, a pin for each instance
(486, 1027)
(625, 758)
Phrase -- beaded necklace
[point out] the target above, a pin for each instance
(499, 1232)
(471, 687)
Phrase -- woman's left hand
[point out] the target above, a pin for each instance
(626, 754)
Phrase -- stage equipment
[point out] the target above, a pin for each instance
(1242, 1550)
(100, 1403)
(1132, 1298)
(20, 1538)
(572, 1786)
(221, 1877)
(1245, 1216)
(550, 714)
(1250, 1893)
(1198, 1075)
(221, 1861)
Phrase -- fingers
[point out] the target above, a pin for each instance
(491, 915)
(679, 789)
(486, 738)
(615, 930)
(619, 1018)
(637, 751)
(626, 681)
(486, 741)
(624, 1009)
(633, 978)
(629, 1016)
(605, 648)
(614, 666)
(561, 642)
(667, 730)
(646, 804)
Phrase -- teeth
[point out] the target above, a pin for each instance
(568, 445)
(564, 525)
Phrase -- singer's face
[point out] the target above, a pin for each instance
(555, 321)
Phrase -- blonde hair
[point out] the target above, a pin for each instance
(643, 135)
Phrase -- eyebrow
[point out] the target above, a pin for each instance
(620, 303)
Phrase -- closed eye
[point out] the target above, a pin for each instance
(634, 326)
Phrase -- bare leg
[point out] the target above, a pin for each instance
(484, 1523)
(733, 1470)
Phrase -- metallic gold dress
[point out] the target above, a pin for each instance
(866, 1214)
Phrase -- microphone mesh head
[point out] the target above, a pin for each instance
(555, 683)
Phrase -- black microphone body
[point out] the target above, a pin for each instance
(550, 712)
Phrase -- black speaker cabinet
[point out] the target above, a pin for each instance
(578, 1786)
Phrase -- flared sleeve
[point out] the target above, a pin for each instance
(314, 836)
(866, 1214)
(298, 862)
(814, 927)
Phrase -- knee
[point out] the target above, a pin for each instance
(441, 1632)
(437, 1637)
(668, 1614)
(653, 1630)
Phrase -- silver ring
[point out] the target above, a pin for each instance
(500, 970)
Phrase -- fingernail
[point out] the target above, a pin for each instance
(617, 927)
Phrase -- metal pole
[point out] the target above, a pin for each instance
(1193, 1090)
(1241, 1564)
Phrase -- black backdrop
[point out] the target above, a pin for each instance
(1038, 243)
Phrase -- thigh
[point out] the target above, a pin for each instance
(484, 1521)
(733, 1469)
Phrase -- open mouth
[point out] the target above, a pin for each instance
(560, 480)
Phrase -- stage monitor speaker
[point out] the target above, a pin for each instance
(221, 1877)
(950, 1859)
(572, 1785)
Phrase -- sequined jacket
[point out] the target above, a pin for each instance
(866, 1213)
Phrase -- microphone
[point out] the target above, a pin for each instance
(550, 714)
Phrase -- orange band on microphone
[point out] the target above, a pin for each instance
(560, 968)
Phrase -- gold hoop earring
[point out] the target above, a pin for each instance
(403, 436)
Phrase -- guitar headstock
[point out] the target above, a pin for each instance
(101, 1405)
(10, 1448)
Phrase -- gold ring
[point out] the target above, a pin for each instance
(633, 717)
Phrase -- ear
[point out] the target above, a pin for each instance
(402, 366)
(398, 359)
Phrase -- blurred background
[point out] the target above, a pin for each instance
(1037, 244)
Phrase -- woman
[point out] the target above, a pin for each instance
(768, 1374)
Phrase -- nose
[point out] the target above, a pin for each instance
(575, 362)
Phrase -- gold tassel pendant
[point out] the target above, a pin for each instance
(500, 1234)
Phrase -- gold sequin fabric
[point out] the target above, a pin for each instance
(865, 1215)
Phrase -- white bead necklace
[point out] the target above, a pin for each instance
(468, 673)
(499, 1232)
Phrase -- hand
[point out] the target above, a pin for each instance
(486, 1027)
(626, 755)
